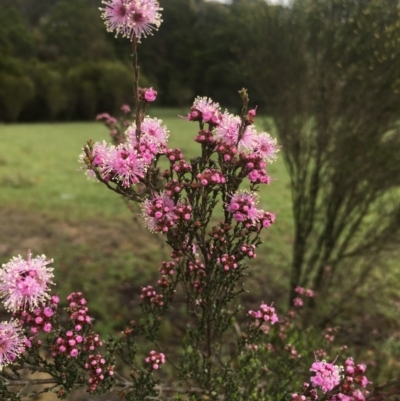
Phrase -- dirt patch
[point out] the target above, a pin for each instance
(21, 230)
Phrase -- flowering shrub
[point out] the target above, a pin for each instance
(212, 225)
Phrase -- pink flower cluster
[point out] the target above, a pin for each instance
(230, 132)
(254, 166)
(68, 344)
(266, 314)
(205, 111)
(243, 208)
(152, 140)
(160, 213)
(155, 360)
(298, 301)
(132, 17)
(97, 371)
(353, 375)
(12, 342)
(327, 375)
(195, 273)
(230, 137)
(177, 162)
(120, 163)
(249, 250)
(107, 119)
(73, 340)
(150, 294)
(228, 262)
(210, 177)
(291, 349)
(333, 378)
(39, 318)
(24, 284)
(206, 137)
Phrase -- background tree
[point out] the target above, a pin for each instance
(331, 75)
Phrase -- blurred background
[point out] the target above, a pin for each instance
(325, 75)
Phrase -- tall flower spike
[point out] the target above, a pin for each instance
(12, 342)
(25, 283)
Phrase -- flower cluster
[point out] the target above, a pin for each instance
(243, 207)
(73, 341)
(152, 139)
(155, 360)
(353, 376)
(254, 167)
(97, 371)
(205, 111)
(120, 163)
(228, 262)
(39, 318)
(210, 177)
(327, 375)
(24, 284)
(160, 213)
(266, 314)
(298, 302)
(149, 294)
(337, 382)
(127, 162)
(12, 342)
(132, 17)
(116, 126)
(231, 135)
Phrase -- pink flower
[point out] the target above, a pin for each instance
(227, 131)
(132, 17)
(243, 206)
(117, 17)
(264, 314)
(266, 147)
(205, 110)
(146, 17)
(152, 131)
(159, 213)
(327, 375)
(12, 342)
(124, 165)
(125, 108)
(248, 140)
(102, 151)
(150, 95)
(155, 360)
(25, 283)
(358, 395)
(298, 302)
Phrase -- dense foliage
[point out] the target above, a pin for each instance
(203, 47)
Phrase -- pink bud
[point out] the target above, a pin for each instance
(47, 328)
(150, 95)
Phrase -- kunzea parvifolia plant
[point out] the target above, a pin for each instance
(207, 211)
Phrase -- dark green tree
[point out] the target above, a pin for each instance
(332, 79)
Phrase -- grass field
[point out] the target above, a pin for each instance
(49, 206)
